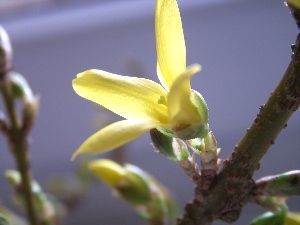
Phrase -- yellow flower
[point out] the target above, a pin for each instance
(173, 108)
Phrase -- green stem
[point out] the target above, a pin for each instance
(19, 147)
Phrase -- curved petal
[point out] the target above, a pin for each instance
(129, 97)
(115, 135)
(180, 107)
(170, 45)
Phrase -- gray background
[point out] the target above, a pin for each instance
(243, 46)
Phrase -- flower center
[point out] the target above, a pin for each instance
(162, 100)
(180, 127)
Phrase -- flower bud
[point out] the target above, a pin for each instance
(5, 53)
(108, 171)
(127, 185)
(161, 206)
(201, 106)
(137, 188)
(21, 88)
(45, 208)
(13, 177)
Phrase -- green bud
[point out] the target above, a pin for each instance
(3, 220)
(161, 205)
(286, 184)
(126, 182)
(5, 53)
(13, 177)
(136, 188)
(21, 88)
(45, 208)
(274, 218)
(174, 148)
(201, 105)
(163, 143)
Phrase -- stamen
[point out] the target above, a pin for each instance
(162, 100)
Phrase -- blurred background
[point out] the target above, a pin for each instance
(243, 47)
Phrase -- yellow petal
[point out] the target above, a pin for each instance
(115, 135)
(181, 109)
(129, 97)
(170, 45)
(110, 172)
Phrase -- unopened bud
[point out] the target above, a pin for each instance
(126, 184)
(21, 88)
(201, 105)
(13, 177)
(137, 188)
(5, 53)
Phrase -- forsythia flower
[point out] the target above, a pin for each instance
(172, 108)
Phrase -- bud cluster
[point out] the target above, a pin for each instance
(137, 188)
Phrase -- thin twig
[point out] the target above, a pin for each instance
(19, 147)
(17, 139)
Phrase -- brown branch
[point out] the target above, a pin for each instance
(232, 187)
